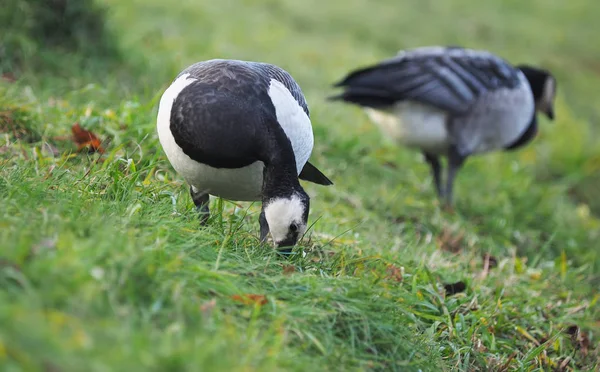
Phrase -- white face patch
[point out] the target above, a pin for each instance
(281, 213)
(294, 121)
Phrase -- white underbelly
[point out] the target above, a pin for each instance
(240, 184)
(414, 125)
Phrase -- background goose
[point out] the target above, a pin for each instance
(452, 101)
(241, 131)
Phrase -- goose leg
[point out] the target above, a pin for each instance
(201, 200)
(264, 226)
(455, 162)
(436, 171)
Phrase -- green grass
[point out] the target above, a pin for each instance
(103, 266)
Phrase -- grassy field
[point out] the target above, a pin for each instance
(103, 266)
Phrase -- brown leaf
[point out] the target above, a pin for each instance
(19, 130)
(564, 364)
(289, 269)
(250, 299)
(477, 344)
(394, 273)
(455, 288)
(572, 330)
(448, 209)
(84, 138)
(580, 339)
(9, 77)
(449, 241)
(207, 307)
(491, 261)
(506, 365)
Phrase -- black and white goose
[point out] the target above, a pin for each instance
(453, 102)
(241, 131)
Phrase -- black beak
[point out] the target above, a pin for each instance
(285, 246)
(550, 113)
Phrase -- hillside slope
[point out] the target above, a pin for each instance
(103, 266)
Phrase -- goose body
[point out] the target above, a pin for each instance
(451, 101)
(241, 131)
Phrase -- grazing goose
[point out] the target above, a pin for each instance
(241, 131)
(453, 102)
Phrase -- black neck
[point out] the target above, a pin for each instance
(527, 136)
(280, 180)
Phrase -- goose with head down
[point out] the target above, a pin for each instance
(452, 102)
(241, 131)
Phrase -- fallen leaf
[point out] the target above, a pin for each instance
(84, 138)
(477, 344)
(449, 241)
(394, 273)
(493, 363)
(455, 288)
(492, 262)
(508, 362)
(9, 77)
(250, 299)
(207, 307)
(448, 209)
(289, 269)
(572, 330)
(564, 364)
(19, 129)
(579, 339)
(489, 262)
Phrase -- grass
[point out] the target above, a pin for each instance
(103, 266)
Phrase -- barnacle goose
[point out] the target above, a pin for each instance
(241, 131)
(453, 102)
